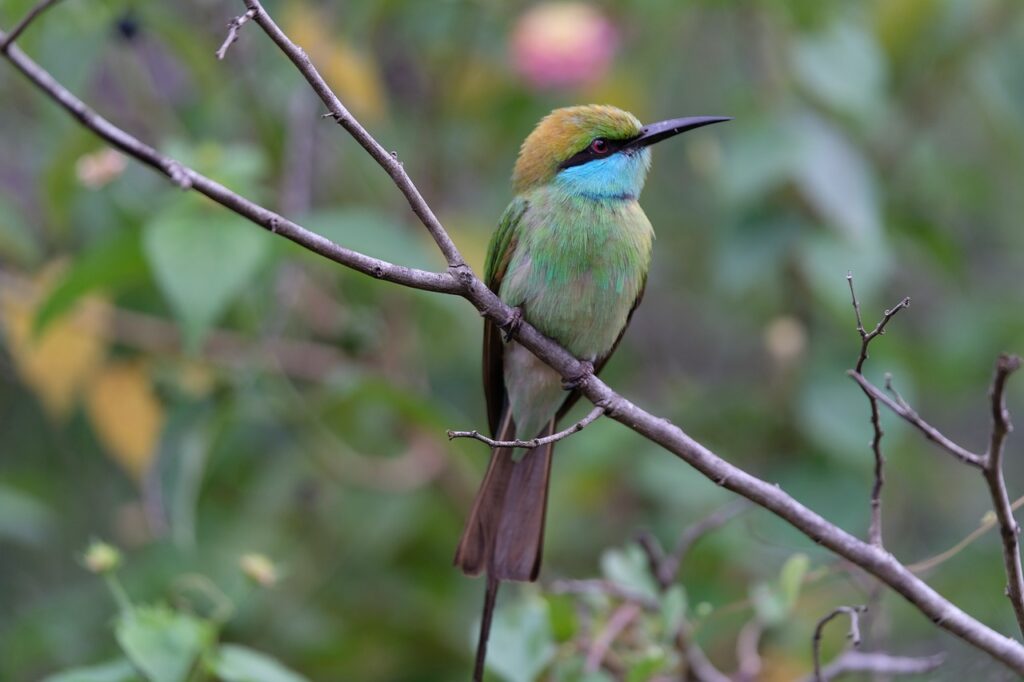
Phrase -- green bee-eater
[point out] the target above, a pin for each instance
(571, 253)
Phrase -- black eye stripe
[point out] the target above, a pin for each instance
(588, 154)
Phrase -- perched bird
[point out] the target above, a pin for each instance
(571, 255)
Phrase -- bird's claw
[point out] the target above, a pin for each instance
(512, 324)
(586, 371)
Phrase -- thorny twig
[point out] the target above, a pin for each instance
(866, 337)
(533, 442)
(910, 416)
(990, 463)
(460, 280)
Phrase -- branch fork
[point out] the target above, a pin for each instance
(459, 280)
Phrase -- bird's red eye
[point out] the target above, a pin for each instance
(599, 146)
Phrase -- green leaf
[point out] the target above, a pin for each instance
(773, 603)
(673, 610)
(202, 259)
(162, 643)
(521, 643)
(110, 265)
(791, 578)
(236, 663)
(628, 568)
(563, 616)
(120, 670)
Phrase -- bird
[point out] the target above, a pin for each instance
(570, 255)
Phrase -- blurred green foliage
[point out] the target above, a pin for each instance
(193, 389)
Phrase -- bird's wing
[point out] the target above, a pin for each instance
(499, 253)
(601, 361)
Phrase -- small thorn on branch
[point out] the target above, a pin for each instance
(533, 442)
(233, 27)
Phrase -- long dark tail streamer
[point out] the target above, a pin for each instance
(490, 597)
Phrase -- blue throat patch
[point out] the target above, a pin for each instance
(619, 176)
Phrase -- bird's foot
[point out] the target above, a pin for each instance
(586, 371)
(512, 324)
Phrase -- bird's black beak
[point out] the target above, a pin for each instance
(656, 132)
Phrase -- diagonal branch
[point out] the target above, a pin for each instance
(903, 410)
(1009, 530)
(186, 178)
(591, 417)
(387, 160)
(459, 279)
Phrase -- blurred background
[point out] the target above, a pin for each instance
(262, 433)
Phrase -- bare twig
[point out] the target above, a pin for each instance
(1009, 530)
(20, 27)
(233, 27)
(877, 662)
(533, 442)
(186, 178)
(854, 635)
(619, 621)
(387, 160)
(459, 279)
(909, 415)
(866, 337)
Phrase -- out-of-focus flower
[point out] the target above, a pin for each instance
(99, 168)
(100, 557)
(259, 569)
(559, 44)
(785, 339)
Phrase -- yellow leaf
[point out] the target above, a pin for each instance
(350, 73)
(126, 415)
(58, 364)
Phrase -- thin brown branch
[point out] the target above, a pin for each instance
(459, 279)
(619, 621)
(854, 634)
(233, 27)
(20, 27)
(1009, 529)
(901, 409)
(186, 178)
(878, 663)
(387, 160)
(591, 417)
(866, 337)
